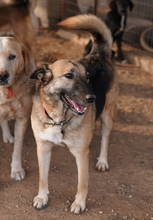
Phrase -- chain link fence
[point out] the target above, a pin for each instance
(52, 11)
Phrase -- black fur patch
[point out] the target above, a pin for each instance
(101, 75)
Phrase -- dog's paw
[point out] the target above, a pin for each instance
(18, 174)
(40, 203)
(8, 139)
(102, 166)
(77, 208)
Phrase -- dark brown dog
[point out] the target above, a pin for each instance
(64, 110)
(21, 20)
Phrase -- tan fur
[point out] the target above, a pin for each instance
(18, 106)
(21, 21)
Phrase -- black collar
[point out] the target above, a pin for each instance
(61, 123)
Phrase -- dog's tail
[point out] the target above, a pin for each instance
(30, 4)
(101, 35)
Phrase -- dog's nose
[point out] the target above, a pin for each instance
(90, 98)
(4, 75)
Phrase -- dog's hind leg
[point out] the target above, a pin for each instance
(82, 161)
(107, 123)
(7, 137)
(107, 117)
(119, 48)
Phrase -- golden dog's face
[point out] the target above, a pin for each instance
(65, 82)
(13, 59)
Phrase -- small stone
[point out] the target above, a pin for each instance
(113, 217)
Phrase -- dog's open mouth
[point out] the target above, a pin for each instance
(77, 108)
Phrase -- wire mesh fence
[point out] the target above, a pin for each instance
(140, 18)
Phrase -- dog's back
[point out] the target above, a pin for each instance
(98, 62)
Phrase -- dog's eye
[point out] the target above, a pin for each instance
(12, 57)
(69, 75)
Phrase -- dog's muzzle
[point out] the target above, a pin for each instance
(4, 78)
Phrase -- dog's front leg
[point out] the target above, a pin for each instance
(44, 154)
(17, 172)
(82, 160)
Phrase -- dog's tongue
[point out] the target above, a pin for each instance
(78, 107)
(10, 93)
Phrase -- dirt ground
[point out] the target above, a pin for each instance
(126, 191)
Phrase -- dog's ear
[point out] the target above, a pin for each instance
(43, 73)
(32, 67)
(131, 5)
(26, 57)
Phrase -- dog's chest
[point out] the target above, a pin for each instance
(52, 134)
(9, 107)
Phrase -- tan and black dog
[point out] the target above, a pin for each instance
(18, 16)
(70, 96)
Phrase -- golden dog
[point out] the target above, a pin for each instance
(20, 19)
(64, 110)
(16, 90)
